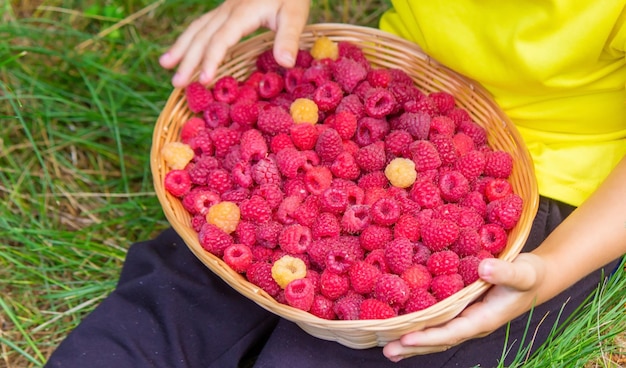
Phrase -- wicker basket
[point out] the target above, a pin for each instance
(383, 50)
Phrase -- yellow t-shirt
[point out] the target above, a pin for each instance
(556, 67)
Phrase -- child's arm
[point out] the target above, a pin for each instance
(592, 236)
(224, 26)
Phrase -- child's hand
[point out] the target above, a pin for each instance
(514, 292)
(205, 42)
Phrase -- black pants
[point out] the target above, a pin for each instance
(169, 310)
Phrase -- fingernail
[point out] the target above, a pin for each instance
(164, 58)
(287, 58)
(176, 79)
(203, 78)
(486, 268)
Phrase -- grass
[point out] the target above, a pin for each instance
(80, 90)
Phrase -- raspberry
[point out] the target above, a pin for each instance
(304, 136)
(347, 307)
(177, 182)
(300, 294)
(295, 239)
(226, 89)
(225, 215)
(453, 186)
(424, 104)
(242, 174)
(385, 211)
(271, 193)
(401, 172)
(444, 286)
(425, 155)
(325, 225)
(419, 300)
(303, 58)
(471, 165)
(304, 110)
(371, 157)
(370, 130)
(223, 139)
(322, 307)
(478, 133)
(328, 145)
(417, 276)
(397, 142)
(468, 269)
(463, 143)
(355, 219)
(267, 233)
(497, 188)
(345, 123)
(238, 257)
(261, 253)
(441, 125)
(348, 73)
(345, 167)
(191, 128)
(445, 148)
(201, 144)
(197, 221)
(281, 141)
(271, 85)
(505, 211)
(351, 103)
(399, 255)
(324, 48)
(445, 262)
(255, 209)
(352, 51)
(328, 95)
(375, 179)
(374, 194)
(493, 238)
(404, 92)
(266, 62)
(260, 274)
(458, 115)
(426, 194)
(274, 119)
(375, 309)
(308, 211)
(253, 146)
(377, 259)
(198, 97)
(439, 234)
(363, 277)
(468, 217)
(392, 289)
(266, 172)
(244, 113)
(286, 269)
(293, 78)
(317, 179)
(317, 75)
(287, 208)
(334, 200)
(290, 162)
(498, 164)
(407, 227)
(379, 77)
(246, 233)
(375, 237)
(476, 201)
(177, 155)
(339, 260)
(219, 180)
(421, 254)
(379, 103)
(213, 239)
(318, 251)
(216, 114)
(443, 100)
(333, 285)
(198, 202)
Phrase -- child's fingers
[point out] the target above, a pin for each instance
(178, 50)
(520, 275)
(289, 24)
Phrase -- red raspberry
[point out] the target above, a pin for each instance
(379, 77)
(416, 123)
(254, 78)
(303, 58)
(363, 277)
(304, 136)
(216, 114)
(471, 165)
(498, 164)
(439, 234)
(348, 306)
(379, 102)
(253, 146)
(246, 233)
(348, 73)
(476, 201)
(219, 181)
(404, 92)
(407, 227)
(443, 100)
(345, 167)
(238, 257)
(198, 97)
(453, 186)
(445, 262)
(399, 255)
(293, 78)
(242, 174)
(350, 50)
(468, 217)
(351, 103)
(417, 277)
(177, 182)
(334, 200)
(281, 141)
(446, 149)
(375, 309)
(247, 94)
(266, 62)
(334, 285)
(478, 133)
(226, 89)
(377, 259)
(271, 193)
(444, 286)
(317, 74)
(424, 104)
(201, 144)
(260, 274)
(235, 195)
(271, 85)
(463, 143)
(468, 269)
(300, 293)
(325, 225)
(191, 128)
(420, 299)
(425, 155)
(371, 157)
(244, 113)
(317, 179)
(458, 115)
(274, 119)
(397, 143)
(497, 188)
(328, 95)
(441, 125)
(255, 209)
(375, 179)
(267, 234)
(374, 194)
(308, 211)
(197, 221)
(294, 239)
(328, 145)
(339, 260)
(266, 172)
(322, 307)
(355, 219)
(493, 238)
(198, 201)
(385, 211)
(295, 187)
(223, 139)
(370, 130)
(505, 211)
(480, 183)
(426, 194)
(287, 208)
(214, 240)
(375, 237)
(291, 162)
(392, 289)
(345, 123)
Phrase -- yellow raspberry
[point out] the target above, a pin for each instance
(304, 110)
(287, 269)
(177, 155)
(401, 172)
(224, 215)
(324, 48)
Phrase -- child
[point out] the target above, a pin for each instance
(557, 70)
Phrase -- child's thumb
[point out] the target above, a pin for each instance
(521, 274)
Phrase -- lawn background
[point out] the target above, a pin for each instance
(80, 90)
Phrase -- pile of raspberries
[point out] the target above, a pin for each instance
(340, 188)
